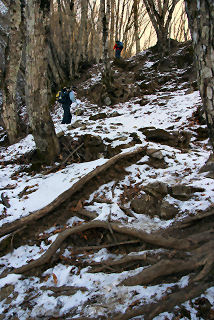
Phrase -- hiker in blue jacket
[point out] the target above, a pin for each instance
(118, 47)
(66, 97)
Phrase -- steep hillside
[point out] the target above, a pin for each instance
(121, 227)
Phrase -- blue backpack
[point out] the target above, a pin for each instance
(120, 45)
(63, 97)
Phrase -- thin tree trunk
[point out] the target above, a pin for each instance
(136, 26)
(37, 81)
(112, 30)
(107, 75)
(84, 29)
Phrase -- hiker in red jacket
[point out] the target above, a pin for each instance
(118, 47)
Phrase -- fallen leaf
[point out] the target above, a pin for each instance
(55, 278)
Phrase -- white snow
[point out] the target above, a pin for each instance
(3, 8)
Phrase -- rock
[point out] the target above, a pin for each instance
(168, 210)
(202, 133)
(157, 189)
(76, 124)
(107, 101)
(156, 159)
(183, 192)
(79, 112)
(177, 139)
(93, 147)
(157, 154)
(90, 140)
(135, 137)
(114, 114)
(122, 138)
(84, 127)
(143, 102)
(146, 204)
(98, 116)
(6, 291)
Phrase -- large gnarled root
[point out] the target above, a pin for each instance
(149, 238)
(7, 228)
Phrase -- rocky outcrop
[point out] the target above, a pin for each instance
(176, 139)
(156, 199)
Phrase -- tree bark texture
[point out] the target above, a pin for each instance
(201, 22)
(37, 80)
(136, 25)
(12, 64)
(84, 29)
(105, 13)
(112, 29)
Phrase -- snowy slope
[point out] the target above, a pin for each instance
(175, 110)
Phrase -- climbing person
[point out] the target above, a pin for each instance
(63, 97)
(118, 47)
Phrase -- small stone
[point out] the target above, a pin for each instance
(168, 210)
(107, 101)
(84, 127)
(155, 153)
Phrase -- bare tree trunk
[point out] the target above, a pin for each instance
(136, 26)
(72, 18)
(112, 30)
(84, 29)
(13, 59)
(92, 50)
(201, 23)
(37, 81)
(107, 74)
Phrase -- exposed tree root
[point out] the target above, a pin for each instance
(161, 269)
(89, 248)
(190, 220)
(154, 239)
(191, 254)
(168, 303)
(184, 255)
(199, 257)
(125, 261)
(7, 228)
(64, 290)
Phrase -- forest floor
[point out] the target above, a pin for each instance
(121, 226)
